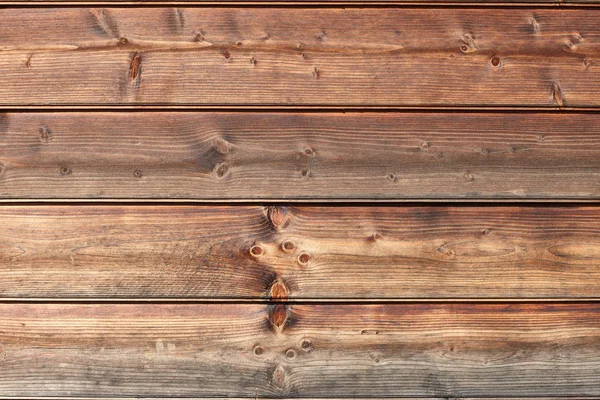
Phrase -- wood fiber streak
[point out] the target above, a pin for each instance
(436, 350)
(295, 253)
(397, 57)
(294, 156)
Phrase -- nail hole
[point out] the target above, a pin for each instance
(304, 172)
(137, 173)
(65, 170)
(123, 40)
(306, 345)
(495, 61)
(259, 351)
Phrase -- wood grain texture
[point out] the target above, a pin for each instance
(397, 57)
(223, 156)
(299, 253)
(317, 350)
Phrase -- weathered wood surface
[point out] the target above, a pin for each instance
(269, 156)
(295, 253)
(304, 350)
(415, 57)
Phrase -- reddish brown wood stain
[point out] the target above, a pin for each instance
(279, 200)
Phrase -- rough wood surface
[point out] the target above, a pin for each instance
(300, 56)
(301, 350)
(269, 156)
(295, 253)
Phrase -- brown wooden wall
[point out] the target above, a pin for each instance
(345, 199)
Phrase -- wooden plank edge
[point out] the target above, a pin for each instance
(298, 301)
(292, 398)
(304, 200)
(264, 107)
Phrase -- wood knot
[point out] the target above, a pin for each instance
(65, 171)
(278, 315)
(306, 345)
(135, 69)
(278, 216)
(222, 146)
(304, 258)
(256, 251)
(468, 45)
(221, 170)
(316, 73)
(290, 353)
(278, 377)
(45, 134)
(535, 26)
(278, 291)
(288, 246)
(557, 95)
(259, 351)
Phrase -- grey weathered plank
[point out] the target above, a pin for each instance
(294, 156)
(299, 253)
(435, 350)
(396, 57)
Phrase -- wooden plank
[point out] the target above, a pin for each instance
(397, 57)
(299, 253)
(313, 350)
(297, 156)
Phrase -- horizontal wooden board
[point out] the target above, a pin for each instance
(398, 57)
(299, 156)
(313, 350)
(299, 253)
